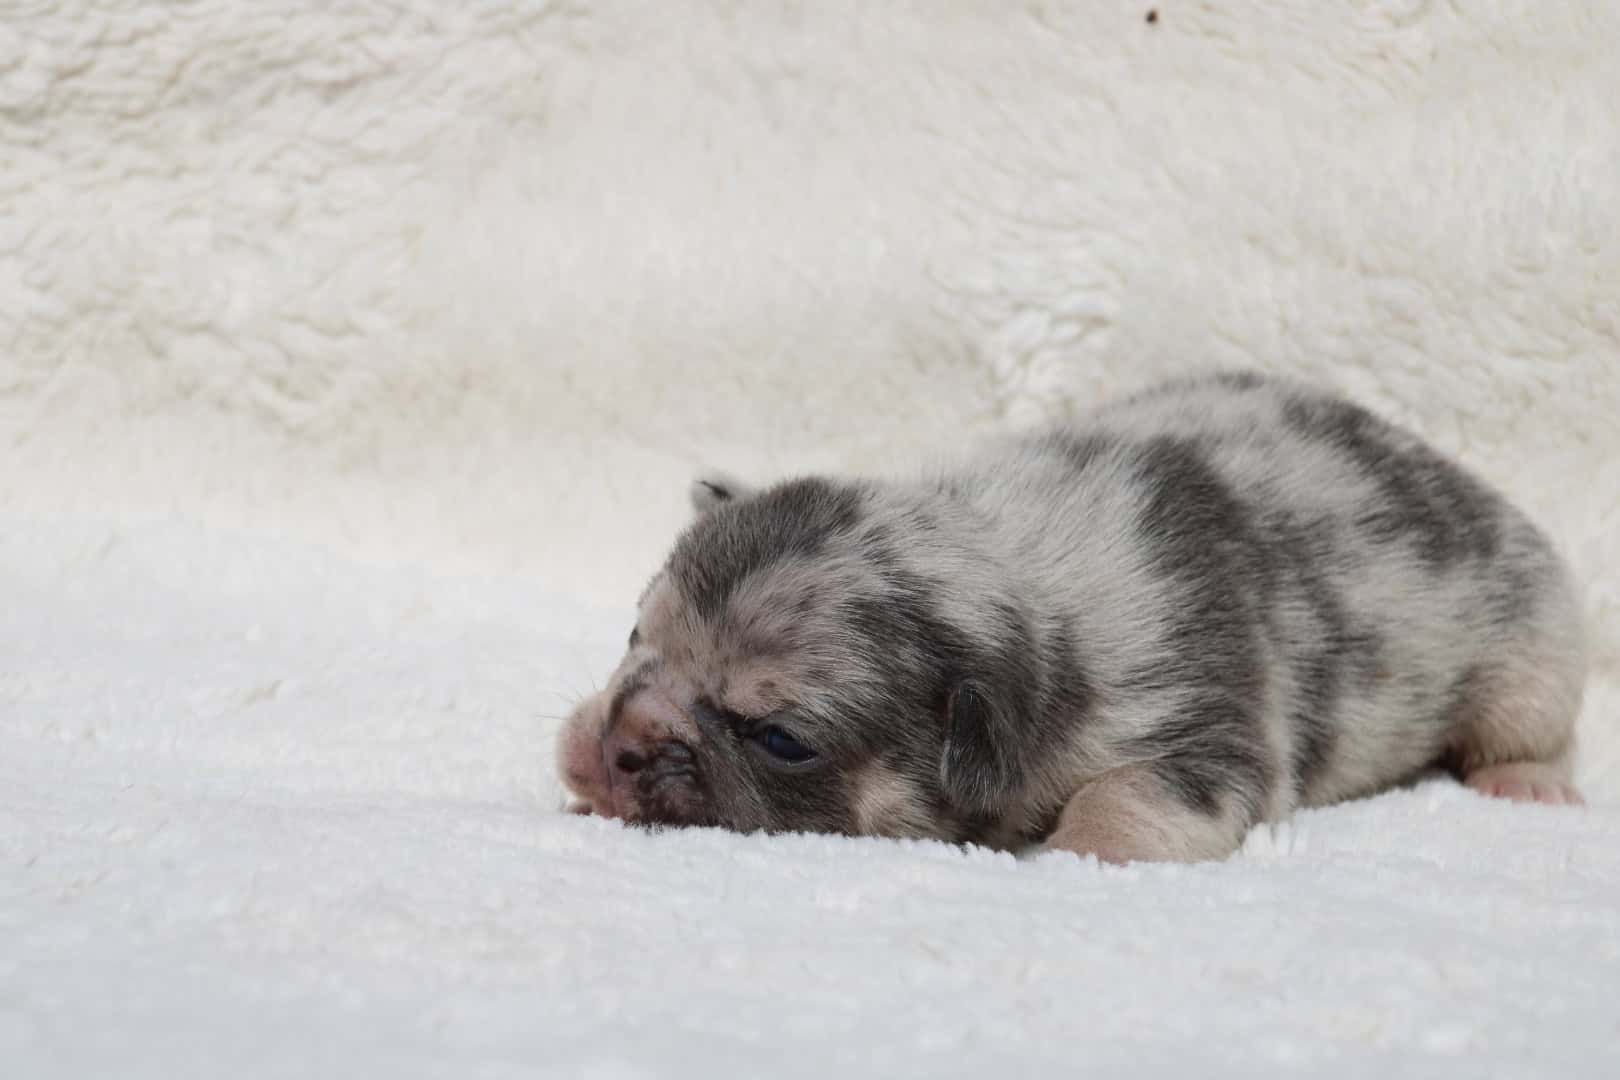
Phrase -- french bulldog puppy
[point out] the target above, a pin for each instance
(1135, 636)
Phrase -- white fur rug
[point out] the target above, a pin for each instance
(353, 361)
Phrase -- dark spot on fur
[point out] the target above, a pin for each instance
(1313, 717)
(919, 651)
(1327, 655)
(739, 539)
(992, 697)
(1209, 751)
(1202, 540)
(1425, 500)
(1518, 585)
(878, 547)
(1066, 690)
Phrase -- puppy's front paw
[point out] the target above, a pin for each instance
(1127, 816)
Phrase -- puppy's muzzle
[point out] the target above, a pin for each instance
(652, 771)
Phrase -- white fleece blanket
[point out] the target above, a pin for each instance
(353, 360)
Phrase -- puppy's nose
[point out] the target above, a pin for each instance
(629, 761)
(644, 735)
(625, 750)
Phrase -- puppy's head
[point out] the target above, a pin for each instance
(811, 658)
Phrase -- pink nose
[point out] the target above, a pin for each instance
(625, 750)
(632, 738)
(650, 763)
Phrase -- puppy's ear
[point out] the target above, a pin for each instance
(979, 769)
(713, 489)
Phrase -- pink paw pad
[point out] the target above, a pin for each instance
(1525, 781)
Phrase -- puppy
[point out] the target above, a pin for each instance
(1133, 636)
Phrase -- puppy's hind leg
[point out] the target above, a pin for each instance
(1526, 781)
(1515, 731)
(1513, 721)
(1128, 815)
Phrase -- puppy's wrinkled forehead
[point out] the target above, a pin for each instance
(765, 576)
(796, 521)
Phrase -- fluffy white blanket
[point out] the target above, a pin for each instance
(353, 360)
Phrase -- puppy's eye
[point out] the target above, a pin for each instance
(635, 637)
(779, 744)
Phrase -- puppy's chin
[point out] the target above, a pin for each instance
(666, 804)
(663, 809)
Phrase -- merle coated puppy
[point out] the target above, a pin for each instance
(1134, 636)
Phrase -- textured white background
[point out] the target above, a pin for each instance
(353, 360)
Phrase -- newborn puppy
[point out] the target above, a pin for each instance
(1133, 636)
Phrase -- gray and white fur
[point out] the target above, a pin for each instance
(1134, 636)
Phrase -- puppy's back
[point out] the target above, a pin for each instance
(1273, 580)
